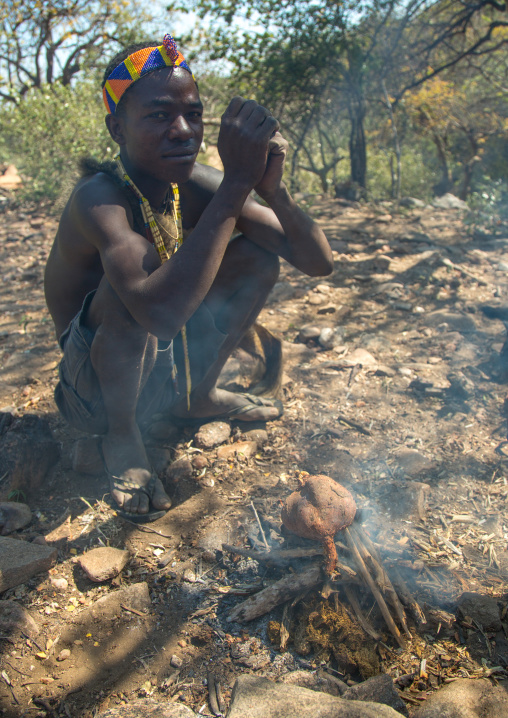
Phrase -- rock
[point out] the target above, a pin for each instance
(466, 698)
(328, 309)
(20, 560)
(309, 332)
(10, 179)
(14, 618)
(313, 681)
(361, 356)
(239, 448)
(462, 323)
(27, 452)
(381, 263)
(180, 470)
(148, 709)
(254, 697)
(481, 608)
(63, 655)
(329, 338)
(412, 203)
(379, 689)
(101, 564)
(413, 463)
(61, 584)
(384, 219)
(213, 434)
(164, 433)
(86, 456)
(449, 201)
(316, 298)
(404, 499)
(176, 661)
(250, 655)
(13, 516)
(189, 575)
(214, 535)
(260, 436)
(200, 462)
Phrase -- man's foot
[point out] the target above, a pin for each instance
(133, 484)
(222, 404)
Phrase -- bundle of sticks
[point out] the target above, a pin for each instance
(365, 569)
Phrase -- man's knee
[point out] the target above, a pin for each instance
(107, 311)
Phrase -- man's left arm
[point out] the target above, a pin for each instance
(282, 227)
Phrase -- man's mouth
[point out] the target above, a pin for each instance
(180, 154)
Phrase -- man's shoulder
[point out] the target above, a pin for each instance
(205, 177)
(93, 189)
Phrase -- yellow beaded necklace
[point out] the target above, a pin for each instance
(164, 250)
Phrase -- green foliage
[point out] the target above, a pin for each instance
(48, 131)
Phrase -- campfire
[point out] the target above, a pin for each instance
(347, 560)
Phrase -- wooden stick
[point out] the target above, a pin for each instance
(382, 579)
(409, 600)
(284, 555)
(375, 590)
(285, 623)
(362, 619)
(260, 526)
(279, 592)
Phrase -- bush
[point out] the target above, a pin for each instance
(47, 133)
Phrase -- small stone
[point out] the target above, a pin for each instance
(101, 564)
(502, 266)
(328, 309)
(212, 434)
(208, 482)
(247, 449)
(329, 338)
(20, 560)
(13, 516)
(414, 463)
(40, 541)
(382, 263)
(180, 470)
(405, 371)
(182, 643)
(200, 462)
(61, 584)
(316, 299)
(176, 661)
(63, 655)
(450, 321)
(403, 306)
(309, 332)
(384, 219)
(260, 436)
(189, 575)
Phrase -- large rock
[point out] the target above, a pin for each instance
(466, 699)
(260, 698)
(379, 689)
(20, 560)
(456, 322)
(314, 682)
(481, 608)
(101, 564)
(14, 618)
(13, 516)
(449, 201)
(27, 452)
(148, 709)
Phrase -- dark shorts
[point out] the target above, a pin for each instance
(78, 394)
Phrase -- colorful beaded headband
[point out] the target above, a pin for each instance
(139, 64)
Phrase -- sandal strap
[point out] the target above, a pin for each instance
(128, 485)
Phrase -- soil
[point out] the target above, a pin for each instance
(412, 424)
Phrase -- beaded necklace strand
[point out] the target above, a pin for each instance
(164, 250)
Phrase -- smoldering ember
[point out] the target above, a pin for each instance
(393, 392)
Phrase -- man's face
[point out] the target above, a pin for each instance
(161, 128)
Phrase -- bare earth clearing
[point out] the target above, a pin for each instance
(412, 424)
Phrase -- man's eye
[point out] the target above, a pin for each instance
(158, 115)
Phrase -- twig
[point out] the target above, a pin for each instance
(132, 610)
(212, 694)
(146, 529)
(362, 620)
(260, 527)
(382, 579)
(284, 556)
(354, 425)
(451, 265)
(32, 640)
(285, 624)
(409, 600)
(373, 587)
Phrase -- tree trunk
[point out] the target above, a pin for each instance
(357, 144)
(446, 183)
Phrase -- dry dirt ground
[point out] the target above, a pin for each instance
(414, 427)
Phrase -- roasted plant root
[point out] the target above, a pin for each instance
(317, 511)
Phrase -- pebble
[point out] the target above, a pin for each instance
(200, 462)
(180, 470)
(405, 371)
(63, 655)
(61, 584)
(189, 576)
(247, 449)
(328, 309)
(260, 436)
(13, 516)
(309, 332)
(176, 661)
(212, 434)
(316, 299)
(101, 564)
(329, 338)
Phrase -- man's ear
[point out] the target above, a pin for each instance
(115, 128)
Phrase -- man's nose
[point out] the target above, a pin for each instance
(180, 129)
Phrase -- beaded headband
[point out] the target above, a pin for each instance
(139, 64)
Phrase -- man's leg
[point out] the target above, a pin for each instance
(123, 355)
(239, 292)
